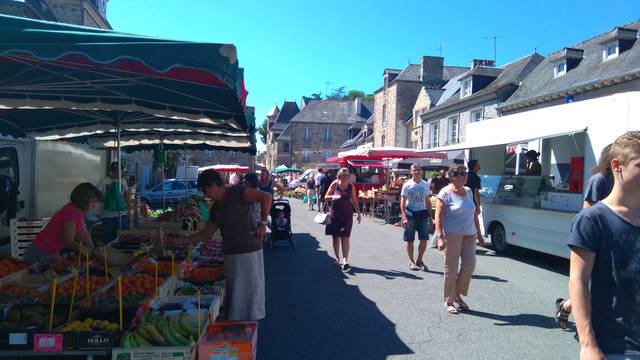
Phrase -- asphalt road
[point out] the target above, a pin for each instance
(382, 310)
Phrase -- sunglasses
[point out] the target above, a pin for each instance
(459, 173)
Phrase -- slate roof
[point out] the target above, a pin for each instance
(286, 133)
(288, 111)
(412, 72)
(274, 110)
(360, 123)
(329, 111)
(450, 88)
(358, 139)
(511, 75)
(541, 86)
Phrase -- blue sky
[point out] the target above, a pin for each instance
(293, 48)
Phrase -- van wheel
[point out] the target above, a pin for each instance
(499, 239)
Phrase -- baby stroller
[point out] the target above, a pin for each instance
(281, 223)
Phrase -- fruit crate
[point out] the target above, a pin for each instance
(96, 334)
(156, 353)
(231, 340)
(22, 233)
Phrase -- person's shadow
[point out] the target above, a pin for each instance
(387, 274)
(534, 320)
(312, 313)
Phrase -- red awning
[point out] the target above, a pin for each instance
(334, 159)
(372, 163)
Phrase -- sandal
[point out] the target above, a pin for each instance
(422, 266)
(346, 266)
(462, 305)
(413, 267)
(450, 309)
(562, 315)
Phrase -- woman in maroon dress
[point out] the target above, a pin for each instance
(343, 201)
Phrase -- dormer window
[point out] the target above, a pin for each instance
(559, 69)
(466, 88)
(611, 50)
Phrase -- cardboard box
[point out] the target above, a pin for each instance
(227, 341)
(17, 339)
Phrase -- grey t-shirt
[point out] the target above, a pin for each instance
(415, 192)
(597, 188)
(615, 279)
(459, 213)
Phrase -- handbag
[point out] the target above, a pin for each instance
(323, 219)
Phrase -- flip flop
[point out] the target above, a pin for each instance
(346, 267)
(413, 267)
(562, 315)
(462, 305)
(422, 266)
(450, 309)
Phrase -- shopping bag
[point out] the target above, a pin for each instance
(323, 219)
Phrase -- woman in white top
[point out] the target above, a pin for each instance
(457, 228)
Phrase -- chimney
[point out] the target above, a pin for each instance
(358, 105)
(431, 69)
(480, 62)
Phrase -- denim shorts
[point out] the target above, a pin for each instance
(419, 224)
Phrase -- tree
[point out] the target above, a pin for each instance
(336, 94)
(262, 131)
(369, 97)
(316, 96)
(260, 158)
(353, 94)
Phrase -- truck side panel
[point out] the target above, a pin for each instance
(60, 167)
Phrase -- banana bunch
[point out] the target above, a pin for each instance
(161, 330)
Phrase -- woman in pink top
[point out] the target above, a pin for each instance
(66, 229)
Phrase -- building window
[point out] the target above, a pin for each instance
(306, 155)
(234, 154)
(435, 135)
(466, 88)
(476, 115)
(559, 69)
(384, 114)
(454, 127)
(326, 154)
(285, 147)
(306, 135)
(611, 50)
(384, 141)
(327, 134)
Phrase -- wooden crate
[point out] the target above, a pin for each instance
(22, 234)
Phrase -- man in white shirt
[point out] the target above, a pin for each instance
(111, 218)
(318, 179)
(416, 215)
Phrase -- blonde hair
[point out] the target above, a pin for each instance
(341, 172)
(626, 147)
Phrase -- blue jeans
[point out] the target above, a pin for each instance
(110, 227)
(419, 224)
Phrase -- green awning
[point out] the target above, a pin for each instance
(89, 78)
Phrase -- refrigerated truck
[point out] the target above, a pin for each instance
(535, 212)
(45, 172)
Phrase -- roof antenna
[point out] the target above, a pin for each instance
(439, 48)
(494, 37)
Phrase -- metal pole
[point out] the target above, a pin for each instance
(186, 182)
(119, 173)
(164, 200)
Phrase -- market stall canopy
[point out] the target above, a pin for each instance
(47, 65)
(380, 153)
(226, 168)
(279, 170)
(360, 163)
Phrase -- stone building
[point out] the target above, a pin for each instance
(321, 127)
(91, 13)
(278, 151)
(472, 96)
(396, 99)
(606, 64)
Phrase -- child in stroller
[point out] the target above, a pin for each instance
(281, 222)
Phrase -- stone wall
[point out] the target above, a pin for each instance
(67, 11)
(317, 146)
(405, 99)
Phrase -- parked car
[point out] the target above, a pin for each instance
(174, 192)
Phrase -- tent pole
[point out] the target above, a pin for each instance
(164, 200)
(119, 172)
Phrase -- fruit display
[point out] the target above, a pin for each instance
(89, 324)
(138, 284)
(161, 330)
(9, 266)
(135, 238)
(22, 317)
(64, 291)
(205, 274)
(16, 293)
(188, 289)
(146, 265)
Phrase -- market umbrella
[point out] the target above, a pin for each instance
(285, 169)
(47, 65)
